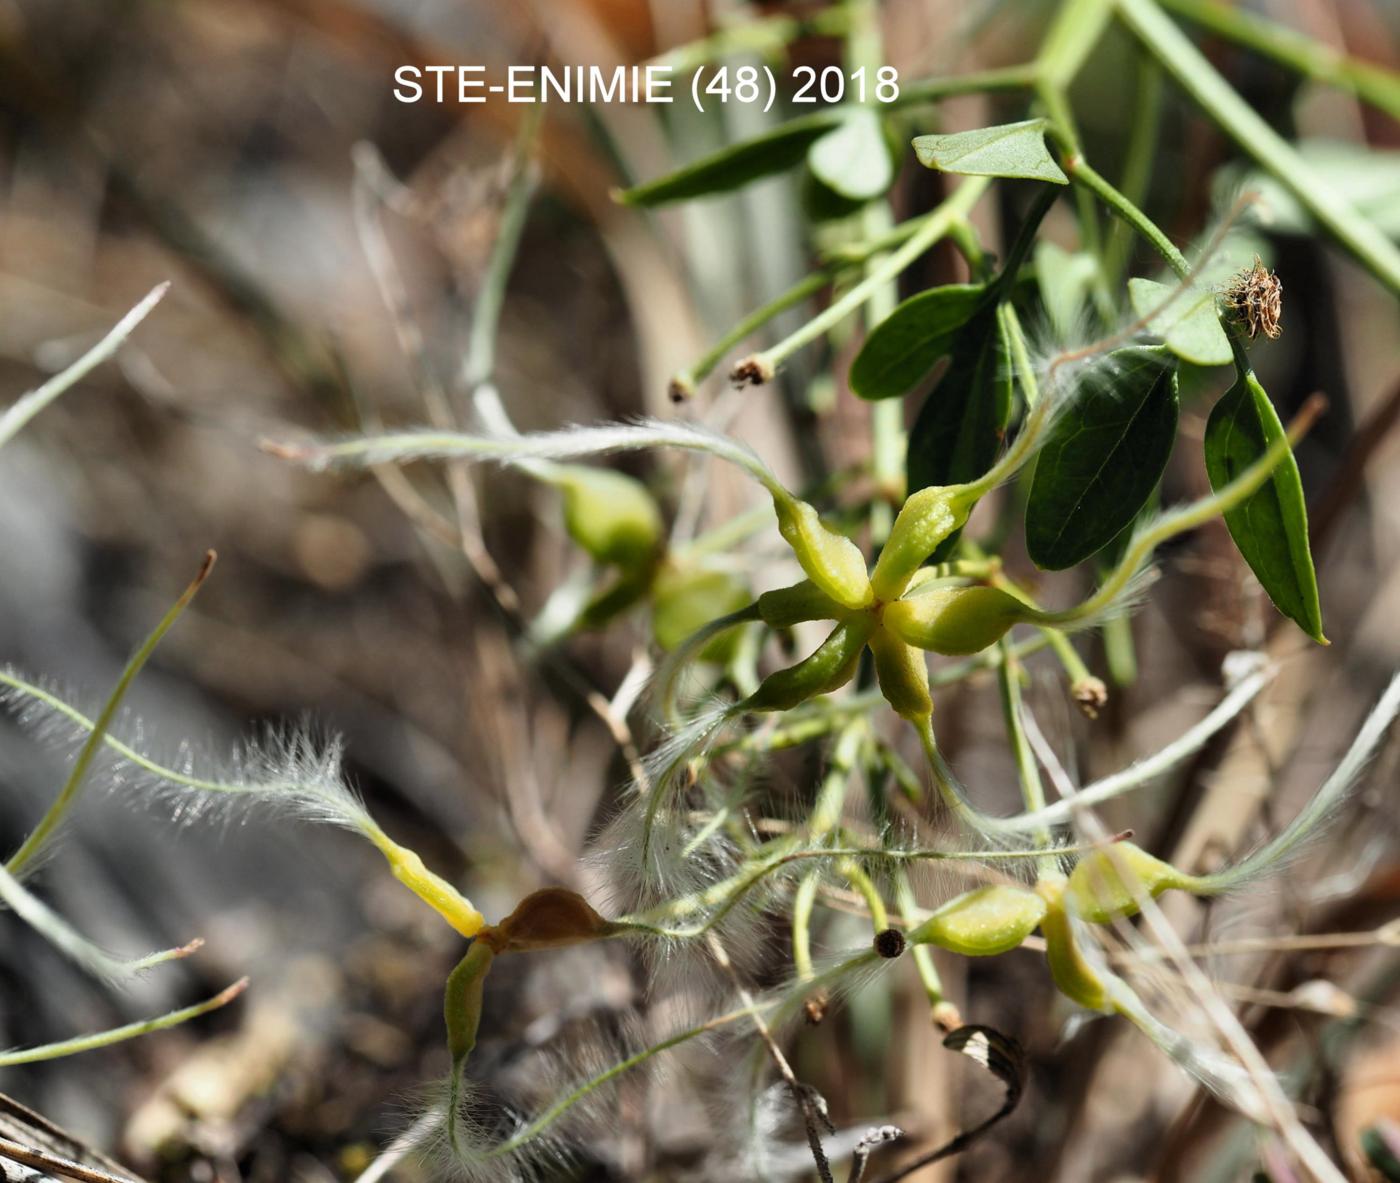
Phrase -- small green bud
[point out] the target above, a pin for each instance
(924, 521)
(1097, 891)
(954, 621)
(830, 667)
(903, 675)
(785, 606)
(983, 922)
(832, 561)
(685, 600)
(611, 515)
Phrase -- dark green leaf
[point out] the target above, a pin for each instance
(907, 344)
(1009, 150)
(960, 426)
(1271, 527)
(1103, 459)
(854, 157)
(773, 152)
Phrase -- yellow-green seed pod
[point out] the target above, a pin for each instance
(955, 621)
(1097, 891)
(1074, 976)
(830, 667)
(785, 606)
(685, 600)
(609, 514)
(832, 561)
(926, 519)
(903, 674)
(462, 1003)
(983, 922)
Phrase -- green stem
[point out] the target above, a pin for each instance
(87, 1043)
(72, 788)
(933, 90)
(1027, 770)
(1322, 63)
(935, 225)
(1081, 173)
(1247, 128)
(1137, 167)
(480, 362)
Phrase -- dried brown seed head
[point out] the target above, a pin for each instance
(1255, 296)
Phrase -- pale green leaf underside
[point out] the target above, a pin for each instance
(1189, 325)
(1008, 150)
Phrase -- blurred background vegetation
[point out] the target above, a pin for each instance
(210, 142)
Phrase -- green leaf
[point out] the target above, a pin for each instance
(907, 344)
(854, 158)
(961, 424)
(1190, 325)
(773, 152)
(1065, 280)
(1103, 459)
(1271, 528)
(1009, 150)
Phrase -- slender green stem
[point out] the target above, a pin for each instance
(1373, 84)
(480, 362)
(1082, 174)
(87, 1043)
(1137, 166)
(1027, 770)
(935, 225)
(1069, 41)
(802, 903)
(72, 788)
(761, 37)
(1194, 73)
(28, 405)
(933, 90)
(922, 954)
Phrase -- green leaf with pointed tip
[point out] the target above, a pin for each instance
(1065, 281)
(907, 344)
(854, 157)
(1104, 457)
(1008, 150)
(1189, 326)
(773, 152)
(962, 422)
(1271, 527)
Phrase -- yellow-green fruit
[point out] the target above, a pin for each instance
(955, 621)
(684, 601)
(832, 561)
(1097, 890)
(983, 922)
(926, 519)
(831, 666)
(785, 606)
(1074, 976)
(902, 672)
(610, 515)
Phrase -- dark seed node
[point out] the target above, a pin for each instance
(890, 943)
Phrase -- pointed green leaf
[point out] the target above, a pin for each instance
(1008, 150)
(1271, 528)
(773, 152)
(1103, 459)
(1190, 325)
(961, 424)
(854, 158)
(1065, 280)
(907, 344)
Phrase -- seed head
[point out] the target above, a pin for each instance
(1255, 296)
